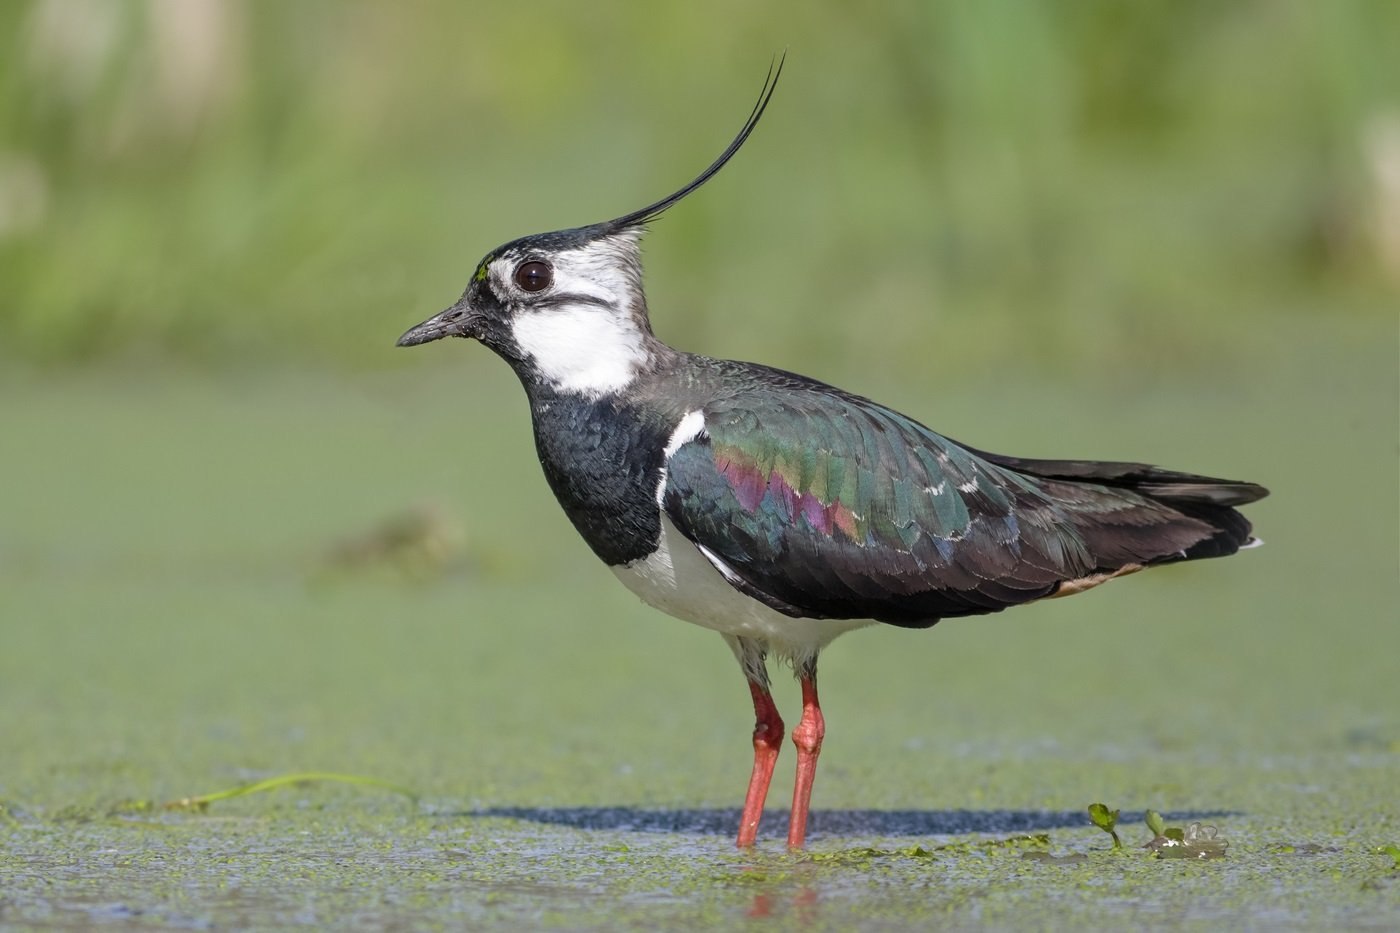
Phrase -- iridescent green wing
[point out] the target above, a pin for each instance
(826, 505)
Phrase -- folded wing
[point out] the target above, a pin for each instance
(831, 506)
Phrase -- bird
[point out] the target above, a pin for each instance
(782, 512)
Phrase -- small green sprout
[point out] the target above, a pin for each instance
(1392, 851)
(1105, 819)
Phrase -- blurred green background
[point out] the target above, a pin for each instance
(241, 534)
(1113, 184)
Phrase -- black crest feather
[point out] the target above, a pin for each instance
(652, 211)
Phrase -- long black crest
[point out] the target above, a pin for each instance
(653, 211)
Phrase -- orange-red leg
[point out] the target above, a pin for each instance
(767, 740)
(808, 739)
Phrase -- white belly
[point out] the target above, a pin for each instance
(680, 581)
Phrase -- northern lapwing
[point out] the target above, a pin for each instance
(780, 511)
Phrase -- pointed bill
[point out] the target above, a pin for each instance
(456, 321)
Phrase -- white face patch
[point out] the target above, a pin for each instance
(595, 345)
(582, 348)
(607, 269)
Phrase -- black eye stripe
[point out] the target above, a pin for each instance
(534, 275)
(561, 301)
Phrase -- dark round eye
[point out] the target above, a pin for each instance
(534, 276)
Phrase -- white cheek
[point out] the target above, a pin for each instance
(585, 275)
(581, 348)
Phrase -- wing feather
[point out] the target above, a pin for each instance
(825, 505)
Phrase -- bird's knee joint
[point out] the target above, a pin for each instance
(808, 738)
(767, 734)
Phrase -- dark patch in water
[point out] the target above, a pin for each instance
(717, 821)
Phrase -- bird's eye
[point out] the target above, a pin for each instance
(534, 276)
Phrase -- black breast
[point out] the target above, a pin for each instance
(603, 460)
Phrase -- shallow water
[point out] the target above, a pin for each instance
(171, 627)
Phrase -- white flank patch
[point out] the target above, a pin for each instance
(682, 582)
(582, 348)
(689, 428)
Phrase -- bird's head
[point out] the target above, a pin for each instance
(567, 308)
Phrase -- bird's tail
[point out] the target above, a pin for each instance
(1156, 535)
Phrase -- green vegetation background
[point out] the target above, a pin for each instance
(1103, 184)
(1162, 231)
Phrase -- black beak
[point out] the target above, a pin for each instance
(454, 322)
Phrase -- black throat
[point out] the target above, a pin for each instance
(603, 458)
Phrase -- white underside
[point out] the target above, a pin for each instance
(681, 581)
